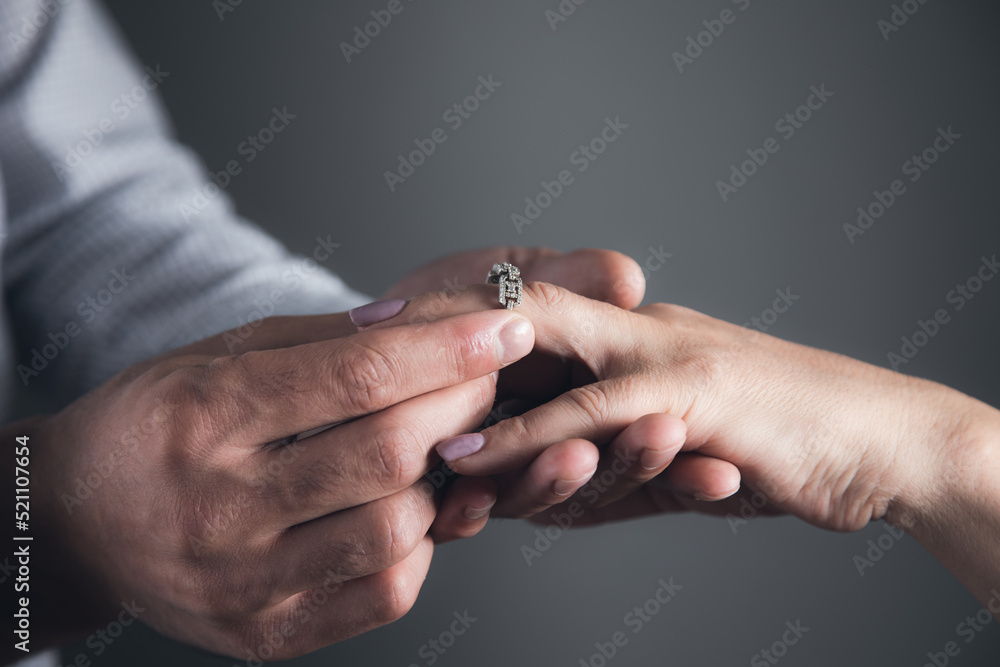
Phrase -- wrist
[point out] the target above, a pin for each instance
(954, 508)
(53, 601)
(939, 423)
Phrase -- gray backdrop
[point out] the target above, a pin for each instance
(656, 185)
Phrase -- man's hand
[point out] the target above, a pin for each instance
(180, 484)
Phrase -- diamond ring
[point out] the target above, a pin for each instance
(508, 277)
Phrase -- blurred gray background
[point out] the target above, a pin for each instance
(655, 186)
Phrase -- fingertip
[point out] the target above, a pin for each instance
(655, 437)
(515, 341)
(701, 477)
(724, 482)
(466, 509)
(673, 430)
(569, 464)
(622, 281)
(478, 505)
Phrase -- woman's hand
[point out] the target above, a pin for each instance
(829, 439)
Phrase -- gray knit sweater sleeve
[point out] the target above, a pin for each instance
(115, 244)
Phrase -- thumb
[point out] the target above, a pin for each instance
(567, 325)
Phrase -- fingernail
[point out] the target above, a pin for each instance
(564, 487)
(707, 499)
(473, 513)
(373, 313)
(496, 377)
(652, 459)
(459, 446)
(515, 341)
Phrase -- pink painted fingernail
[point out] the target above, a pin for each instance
(373, 313)
(463, 445)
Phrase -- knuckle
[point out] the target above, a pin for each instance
(362, 377)
(352, 555)
(428, 307)
(394, 596)
(388, 537)
(221, 593)
(395, 460)
(252, 634)
(206, 399)
(593, 402)
(548, 296)
(518, 429)
(189, 390)
(398, 532)
(699, 368)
